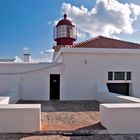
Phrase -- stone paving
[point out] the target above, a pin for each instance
(69, 120)
(70, 116)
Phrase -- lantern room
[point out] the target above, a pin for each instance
(65, 32)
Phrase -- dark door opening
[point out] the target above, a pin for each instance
(54, 86)
(121, 88)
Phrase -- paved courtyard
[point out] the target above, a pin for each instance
(69, 120)
(70, 116)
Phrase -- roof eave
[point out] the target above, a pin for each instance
(97, 50)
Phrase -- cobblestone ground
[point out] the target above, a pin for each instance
(69, 120)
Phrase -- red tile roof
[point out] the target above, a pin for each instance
(104, 42)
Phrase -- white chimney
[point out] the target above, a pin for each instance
(26, 57)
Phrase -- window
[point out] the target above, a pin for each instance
(64, 31)
(110, 75)
(119, 75)
(128, 76)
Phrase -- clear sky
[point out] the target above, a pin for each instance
(27, 25)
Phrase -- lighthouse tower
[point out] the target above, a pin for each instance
(64, 33)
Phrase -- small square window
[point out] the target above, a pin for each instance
(128, 76)
(110, 75)
(119, 76)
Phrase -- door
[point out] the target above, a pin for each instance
(121, 88)
(54, 86)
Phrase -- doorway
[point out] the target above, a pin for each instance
(121, 88)
(54, 86)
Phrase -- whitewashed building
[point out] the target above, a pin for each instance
(76, 70)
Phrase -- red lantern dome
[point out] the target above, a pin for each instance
(65, 32)
(64, 21)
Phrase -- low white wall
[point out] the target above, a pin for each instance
(20, 118)
(4, 100)
(121, 118)
(12, 92)
(105, 96)
(13, 96)
(108, 97)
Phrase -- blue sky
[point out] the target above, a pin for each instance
(28, 24)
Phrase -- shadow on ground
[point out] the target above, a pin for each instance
(61, 137)
(65, 106)
(89, 129)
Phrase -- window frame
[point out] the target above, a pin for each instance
(126, 77)
(119, 75)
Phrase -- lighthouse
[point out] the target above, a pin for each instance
(64, 33)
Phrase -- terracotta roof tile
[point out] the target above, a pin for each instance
(104, 42)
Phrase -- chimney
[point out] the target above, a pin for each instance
(26, 57)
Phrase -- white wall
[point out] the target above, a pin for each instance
(121, 118)
(20, 118)
(79, 75)
(35, 87)
(32, 79)
(4, 100)
(83, 71)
